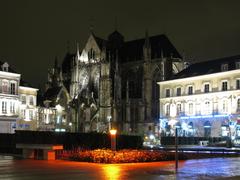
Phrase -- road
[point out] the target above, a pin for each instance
(216, 168)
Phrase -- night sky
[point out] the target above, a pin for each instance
(33, 32)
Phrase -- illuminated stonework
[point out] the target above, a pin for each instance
(28, 109)
(206, 104)
(112, 82)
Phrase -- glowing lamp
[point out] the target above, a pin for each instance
(113, 132)
(152, 137)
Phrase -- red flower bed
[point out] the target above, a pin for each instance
(132, 156)
(122, 156)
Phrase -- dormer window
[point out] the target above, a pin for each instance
(224, 67)
(237, 64)
(5, 67)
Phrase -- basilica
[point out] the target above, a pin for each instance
(110, 83)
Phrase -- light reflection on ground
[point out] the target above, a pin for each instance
(217, 168)
(112, 171)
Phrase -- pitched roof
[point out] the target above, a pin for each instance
(52, 93)
(100, 42)
(208, 67)
(133, 50)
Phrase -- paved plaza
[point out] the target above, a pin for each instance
(216, 168)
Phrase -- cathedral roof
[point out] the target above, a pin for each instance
(160, 46)
(208, 67)
(52, 93)
(100, 42)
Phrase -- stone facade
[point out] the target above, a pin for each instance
(17, 103)
(112, 82)
(202, 100)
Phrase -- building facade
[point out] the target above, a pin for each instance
(28, 111)
(113, 82)
(12, 103)
(203, 100)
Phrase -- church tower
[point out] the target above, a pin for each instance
(147, 78)
(105, 88)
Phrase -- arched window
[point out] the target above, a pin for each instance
(190, 108)
(179, 109)
(167, 109)
(207, 107)
(225, 106)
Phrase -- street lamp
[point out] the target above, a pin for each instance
(177, 125)
(113, 133)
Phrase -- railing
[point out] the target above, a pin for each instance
(207, 150)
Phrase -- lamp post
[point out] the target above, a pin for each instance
(177, 125)
(176, 149)
(113, 133)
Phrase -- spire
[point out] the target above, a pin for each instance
(55, 63)
(78, 53)
(147, 41)
(91, 25)
(68, 46)
(147, 47)
(115, 23)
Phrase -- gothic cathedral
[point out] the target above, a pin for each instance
(112, 83)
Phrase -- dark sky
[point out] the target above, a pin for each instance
(33, 32)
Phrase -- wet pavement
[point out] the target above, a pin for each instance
(215, 168)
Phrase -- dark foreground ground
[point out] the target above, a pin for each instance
(214, 168)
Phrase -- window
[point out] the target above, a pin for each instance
(238, 84)
(167, 92)
(179, 91)
(224, 106)
(5, 86)
(206, 88)
(13, 88)
(167, 109)
(238, 104)
(23, 113)
(23, 99)
(12, 107)
(190, 108)
(190, 90)
(30, 114)
(4, 107)
(224, 67)
(238, 65)
(224, 86)
(31, 100)
(179, 108)
(207, 109)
